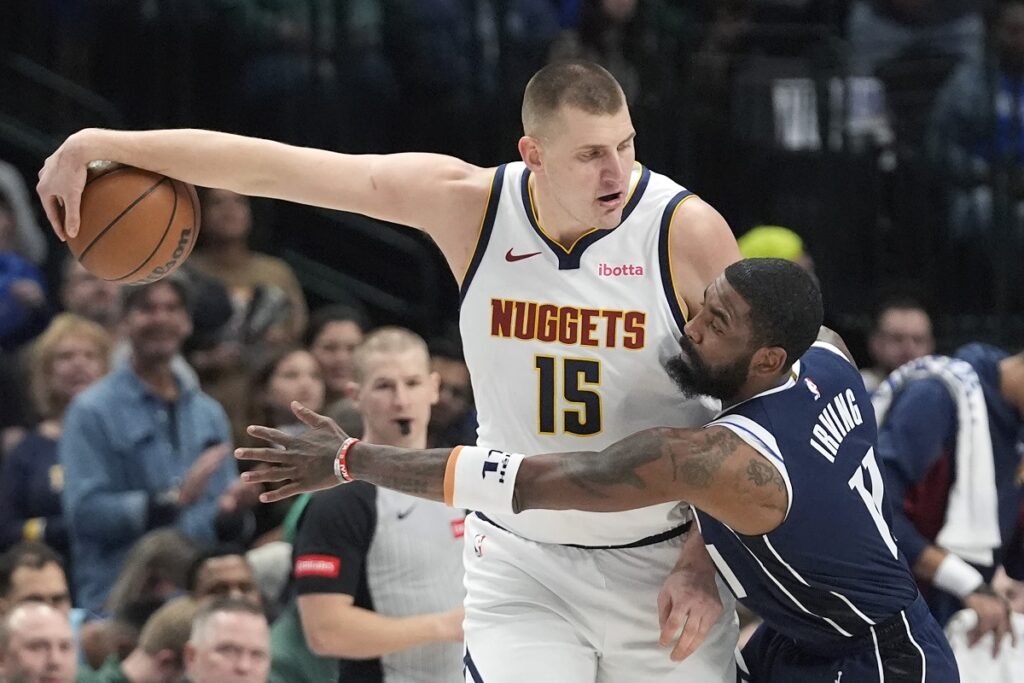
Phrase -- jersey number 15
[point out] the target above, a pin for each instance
(577, 408)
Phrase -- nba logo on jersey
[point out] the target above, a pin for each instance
(812, 387)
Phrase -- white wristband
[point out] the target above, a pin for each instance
(481, 479)
(957, 577)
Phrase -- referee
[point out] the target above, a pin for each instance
(378, 573)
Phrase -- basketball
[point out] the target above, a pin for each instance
(137, 226)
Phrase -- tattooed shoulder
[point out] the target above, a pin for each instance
(761, 473)
(699, 456)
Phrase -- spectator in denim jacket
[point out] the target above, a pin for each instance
(143, 448)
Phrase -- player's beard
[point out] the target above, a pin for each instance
(695, 378)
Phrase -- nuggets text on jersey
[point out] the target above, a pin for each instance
(529, 320)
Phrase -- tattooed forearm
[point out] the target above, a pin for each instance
(653, 466)
(615, 465)
(614, 479)
(420, 473)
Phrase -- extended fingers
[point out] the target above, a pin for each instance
(1003, 628)
(52, 209)
(671, 624)
(286, 491)
(694, 633)
(275, 436)
(275, 456)
(269, 475)
(308, 416)
(72, 216)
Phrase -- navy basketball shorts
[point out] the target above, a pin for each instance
(908, 648)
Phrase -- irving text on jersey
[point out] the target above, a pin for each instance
(836, 420)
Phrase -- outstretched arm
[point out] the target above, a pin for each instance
(711, 468)
(442, 195)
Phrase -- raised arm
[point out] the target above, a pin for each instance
(441, 195)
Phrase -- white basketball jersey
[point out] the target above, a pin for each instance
(566, 347)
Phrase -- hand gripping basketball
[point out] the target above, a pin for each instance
(136, 226)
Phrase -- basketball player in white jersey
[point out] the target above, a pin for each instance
(577, 267)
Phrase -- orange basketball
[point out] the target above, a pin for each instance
(137, 226)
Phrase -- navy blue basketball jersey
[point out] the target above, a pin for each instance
(832, 569)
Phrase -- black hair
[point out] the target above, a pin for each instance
(132, 296)
(446, 347)
(898, 302)
(227, 550)
(335, 313)
(785, 303)
(25, 554)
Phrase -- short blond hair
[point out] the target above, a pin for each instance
(583, 85)
(169, 627)
(44, 352)
(386, 340)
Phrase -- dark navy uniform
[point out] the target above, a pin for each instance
(917, 446)
(836, 594)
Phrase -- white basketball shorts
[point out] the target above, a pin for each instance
(543, 613)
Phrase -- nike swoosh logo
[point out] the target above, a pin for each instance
(512, 258)
(403, 515)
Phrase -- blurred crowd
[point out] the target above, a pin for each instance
(128, 541)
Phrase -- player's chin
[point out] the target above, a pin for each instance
(608, 219)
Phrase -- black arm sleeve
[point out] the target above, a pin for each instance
(333, 539)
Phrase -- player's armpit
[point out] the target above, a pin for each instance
(701, 246)
(712, 468)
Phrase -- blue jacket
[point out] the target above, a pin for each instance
(31, 481)
(917, 444)
(122, 445)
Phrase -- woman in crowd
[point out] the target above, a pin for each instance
(333, 334)
(69, 356)
(292, 374)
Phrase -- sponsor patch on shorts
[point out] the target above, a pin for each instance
(317, 565)
(458, 528)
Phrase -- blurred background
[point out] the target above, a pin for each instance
(879, 143)
(885, 133)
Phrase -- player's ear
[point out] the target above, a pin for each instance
(529, 150)
(188, 655)
(435, 388)
(768, 361)
(352, 392)
(167, 660)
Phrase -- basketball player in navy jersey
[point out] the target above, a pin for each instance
(578, 267)
(785, 482)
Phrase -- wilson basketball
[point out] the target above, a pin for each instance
(137, 226)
